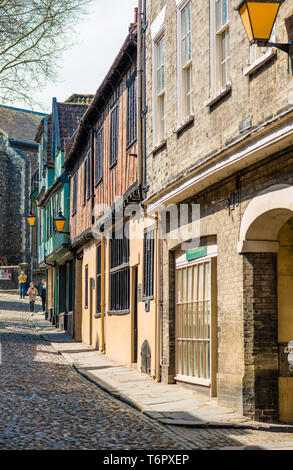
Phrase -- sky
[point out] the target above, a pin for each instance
(100, 35)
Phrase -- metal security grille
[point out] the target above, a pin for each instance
(148, 263)
(193, 321)
(120, 273)
(99, 278)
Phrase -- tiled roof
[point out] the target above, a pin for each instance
(19, 124)
(80, 99)
(69, 115)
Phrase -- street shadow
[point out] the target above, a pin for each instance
(18, 306)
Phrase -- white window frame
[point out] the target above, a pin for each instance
(182, 114)
(217, 88)
(256, 61)
(157, 33)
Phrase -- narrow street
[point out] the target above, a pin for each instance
(44, 404)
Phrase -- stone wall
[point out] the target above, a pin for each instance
(15, 174)
(258, 97)
(247, 378)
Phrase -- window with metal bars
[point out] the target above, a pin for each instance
(148, 263)
(99, 156)
(86, 287)
(99, 279)
(114, 137)
(131, 110)
(120, 273)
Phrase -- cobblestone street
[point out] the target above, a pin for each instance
(44, 404)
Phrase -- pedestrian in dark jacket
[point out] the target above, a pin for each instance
(43, 294)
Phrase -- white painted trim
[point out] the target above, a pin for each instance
(252, 151)
(260, 62)
(181, 4)
(257, 246)
(219, 94)
(193, 380)
(158, 24)
(276, 197)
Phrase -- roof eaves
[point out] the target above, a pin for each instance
(88, 116)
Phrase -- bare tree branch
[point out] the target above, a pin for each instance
(33, 36)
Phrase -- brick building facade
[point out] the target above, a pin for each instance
(219, 134)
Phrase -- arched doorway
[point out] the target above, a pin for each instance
(266, 243)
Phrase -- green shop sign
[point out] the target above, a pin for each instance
(196, 253)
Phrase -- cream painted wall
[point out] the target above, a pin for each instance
(285, 314)
(285, 283)
(146, 322)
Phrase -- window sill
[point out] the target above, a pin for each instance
(118, 312)
(183, 124)
(98, 182)
(159, 146)
(217, 96)
(260, 62)
(130, 144)
(113, 165)
(73, 213)
(98, 315)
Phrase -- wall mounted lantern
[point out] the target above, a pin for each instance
(258, 18)
(59, 222)
(31, 220)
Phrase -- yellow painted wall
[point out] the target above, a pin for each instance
(118, 328)
(146, 325)
(90, 326)
(285, 314)
(285, 283)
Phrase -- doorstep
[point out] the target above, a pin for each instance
(169, 404)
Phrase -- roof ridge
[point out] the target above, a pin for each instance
(22, 110)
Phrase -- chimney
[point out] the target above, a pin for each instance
(135, 15)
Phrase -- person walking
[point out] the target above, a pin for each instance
(32, 296)
(22, 278)
(43, 294)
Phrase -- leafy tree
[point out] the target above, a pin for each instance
(33, 36)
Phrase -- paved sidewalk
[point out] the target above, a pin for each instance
(169, 404)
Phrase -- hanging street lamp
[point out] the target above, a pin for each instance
(258, 18)
(59, 222)
(31, 220)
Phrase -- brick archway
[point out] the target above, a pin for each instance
(259, 244)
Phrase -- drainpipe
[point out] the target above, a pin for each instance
(144, 110)
(139, 102)
(103, 349)
(157, 302)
